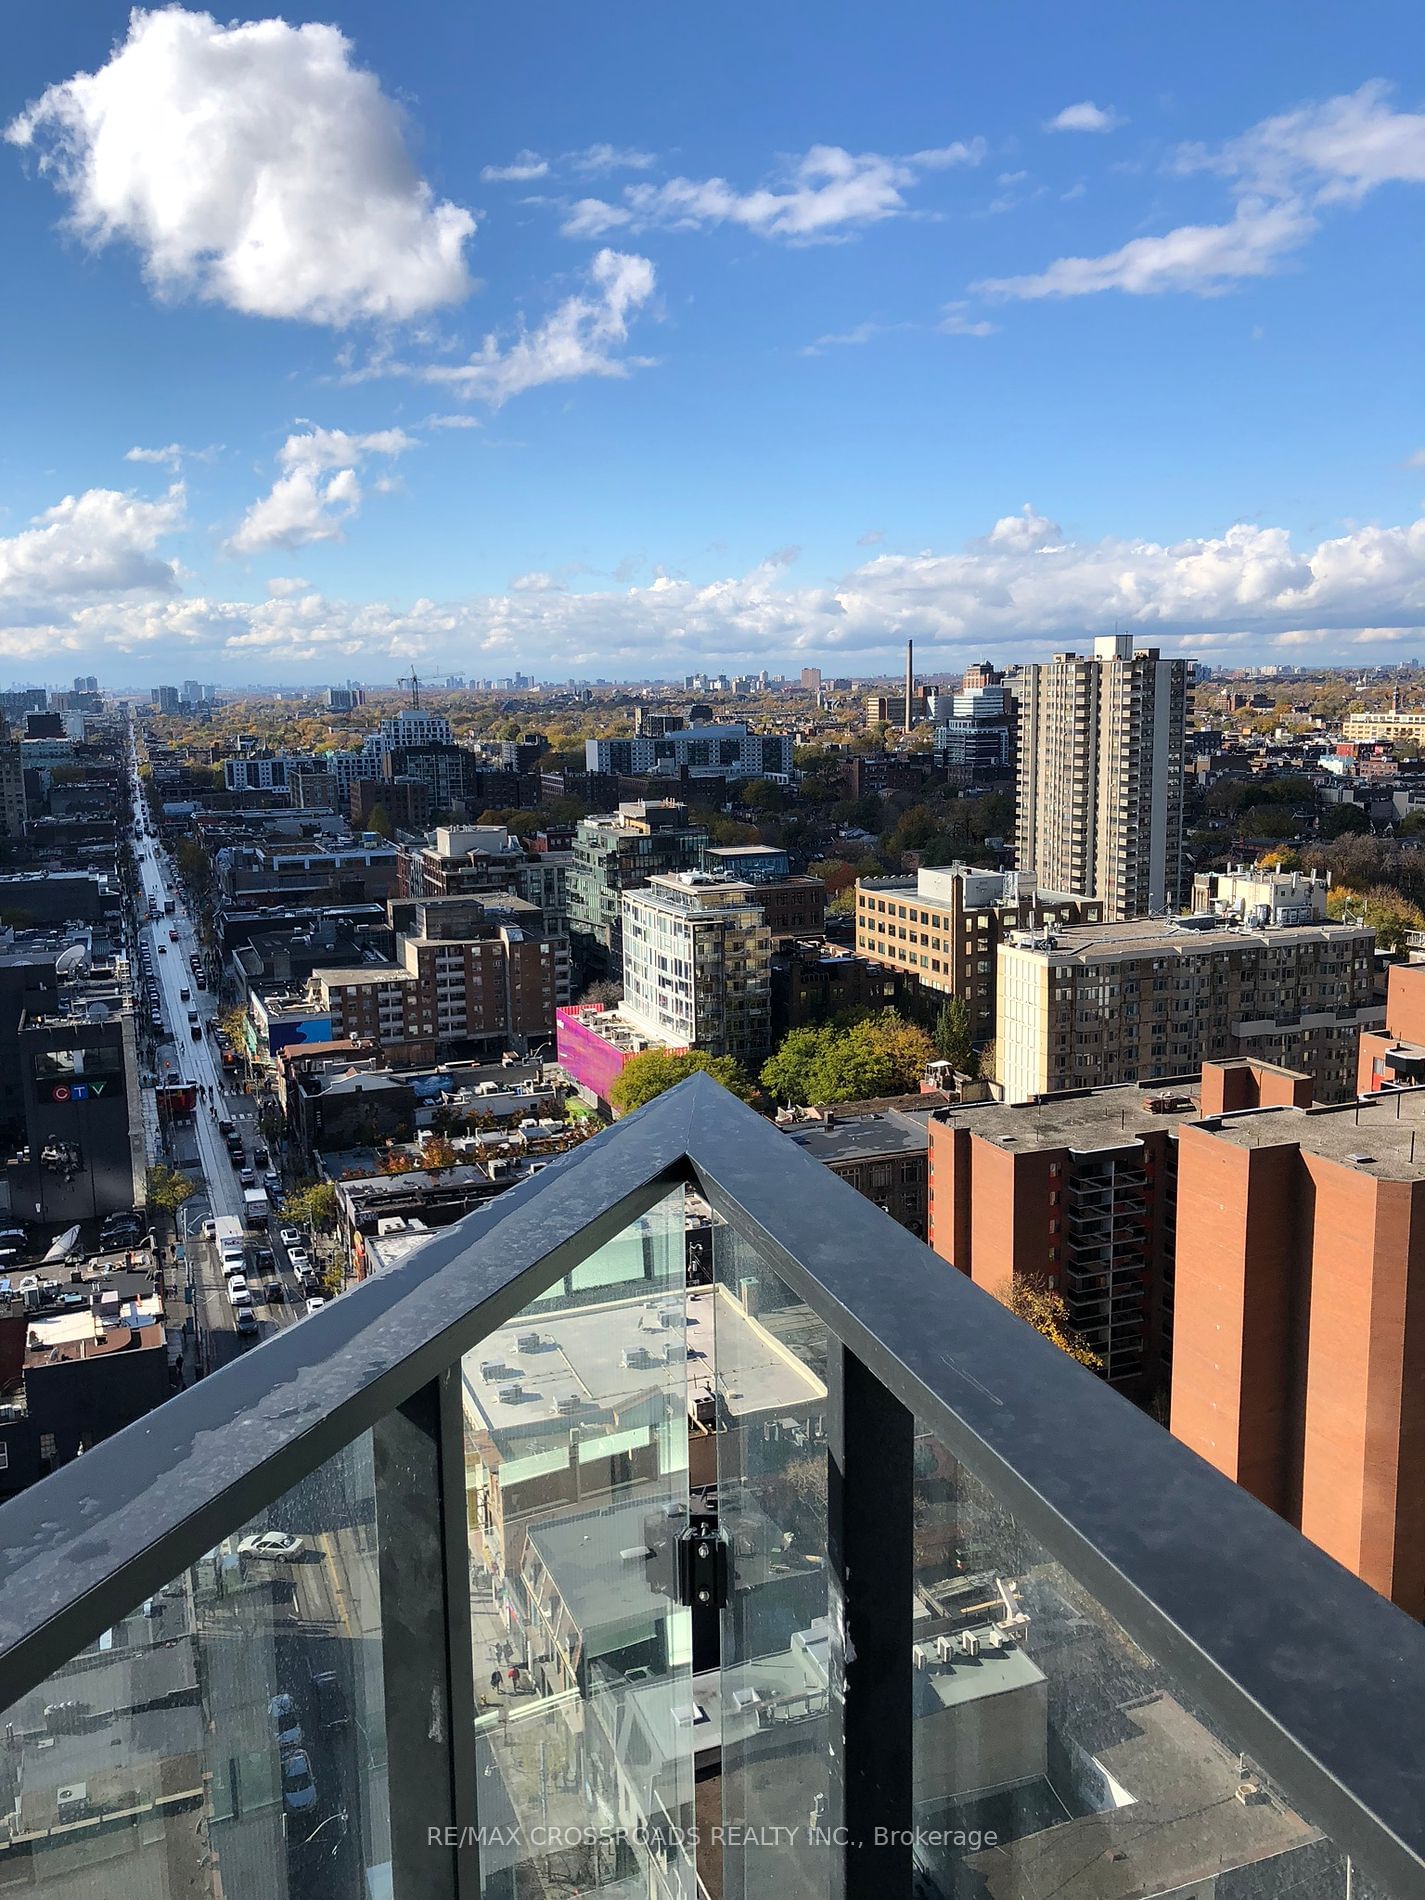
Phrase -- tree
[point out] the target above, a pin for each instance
(952, 1035)
(167, 1188)
(380, 822)
(879, 1055)
(648, 1074)
(314, 1205)
(397, 1161)
(1386, 912)
(1040, 1305)
(437, 1153)
(234, 1025)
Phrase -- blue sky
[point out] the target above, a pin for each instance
(622, 342)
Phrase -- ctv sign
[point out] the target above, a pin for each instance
(77, 1091)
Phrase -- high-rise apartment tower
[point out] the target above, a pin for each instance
(1100, 775)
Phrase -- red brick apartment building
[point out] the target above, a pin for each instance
(1260, 1257)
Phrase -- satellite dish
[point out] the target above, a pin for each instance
(76, 957)
(63, 1247)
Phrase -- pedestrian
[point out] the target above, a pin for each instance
(496, 1681)
(514, 1677)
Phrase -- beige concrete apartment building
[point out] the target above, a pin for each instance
(697, 958)
(1099, 775)
(1135, 1002)
(945, 926)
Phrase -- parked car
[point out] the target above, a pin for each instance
(226, 1127)
(259, 1156)
(274, 1292)
(246, 1178)
(290, 1237)
(247, 1323)
(299, 1790)
(286, 1729)
(238, 1292)
(316, 1303)
(280, 1546)
(300, 1258)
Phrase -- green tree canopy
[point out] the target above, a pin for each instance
(314, 1206)
(952, 1035)
(167, 1188)
(648, 1074)
(879, 1055)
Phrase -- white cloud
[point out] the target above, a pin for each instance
(848, 339)
(1021, 589)
(170, 456)
(103, 542)
(954, 322)
(452, 422)
(1084, 117)
(318, 490)
(580, 337)
(1282, 173)
(1341, 148)
(611, 158)
(1205, 259)
(526, 167)
(826, 193)
(252, 165)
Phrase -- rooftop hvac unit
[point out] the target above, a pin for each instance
(970, 1641)
(569, 1405)
(635, 1358)
(922, 1657)
(511, 1394)
(71, 1802)
(530, 1342)
(946, 1648)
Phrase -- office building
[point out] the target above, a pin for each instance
(944, 927)
(696, 957)
(1299, 1328)
(618, 853)
(1086, 1006)
(1099, 776)
(165, 698)
(700, 751)
(1398, 723)
(975, 727)
(84, 1132)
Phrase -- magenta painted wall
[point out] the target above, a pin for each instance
(585, 1057)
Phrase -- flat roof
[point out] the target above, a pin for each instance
(1156, 936)
(861, 1137)
(1378, 1134)
(1103, 1118)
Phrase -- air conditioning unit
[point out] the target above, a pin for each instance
(530, 1342)
(511, 1394)
(635, 1358)
(569, 1405)
(946, 1648)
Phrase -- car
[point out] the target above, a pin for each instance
(173, 936)
(272, 1182)
(315, 1303)
(264, 1258)
(286, 1729)
(331, 1698)
(196, 1032)
(299, 1258)
(247, 1323)
(238, 1293)
(163, 949)
(278, 1546)
(291, 1237)
(274, 1292)
(184, 994)
(259, 1156)
(246, 1178)
(299, 1790)
(226, 1127)
(208, 1229)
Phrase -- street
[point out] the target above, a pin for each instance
(198, 1145)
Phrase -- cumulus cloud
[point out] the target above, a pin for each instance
(90, 580)
(103, 542)
(253, 165)
(580, 337)
(318, 490)
(1282, 173)
(1084, 117)
(525, 167)
(827, 193)
(1205, 259)
(955, 322)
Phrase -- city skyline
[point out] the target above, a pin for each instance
(980, 338)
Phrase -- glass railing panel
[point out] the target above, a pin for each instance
(228, 1734)
(776, 1663)
(1054, 1758)
(576, 1450)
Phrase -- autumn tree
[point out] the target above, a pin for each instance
(313, 1205)
(651, 1072)
(167, 1188)
(882, 1054)
(1039, 1303)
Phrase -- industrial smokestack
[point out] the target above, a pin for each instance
(909, 679)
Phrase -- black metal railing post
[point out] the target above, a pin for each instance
(425, 1648)
(870, 1441)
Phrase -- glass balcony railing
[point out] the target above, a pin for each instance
(563, 1560)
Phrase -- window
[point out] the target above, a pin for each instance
(4, 1455)
(48, 1447)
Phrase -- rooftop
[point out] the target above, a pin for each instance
(1167, 936)
(1381, 1135)
(861, 1137)
(1098, 1118)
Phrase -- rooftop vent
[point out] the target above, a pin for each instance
(511, 1394)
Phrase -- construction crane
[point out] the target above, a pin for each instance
(413, 682)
